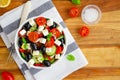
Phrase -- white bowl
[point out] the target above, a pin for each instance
(17, 48)
(87, 14)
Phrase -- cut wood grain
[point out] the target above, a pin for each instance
(101, 47)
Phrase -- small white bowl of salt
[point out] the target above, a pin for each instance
(91, 14)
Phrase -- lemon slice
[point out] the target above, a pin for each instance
(4, 3)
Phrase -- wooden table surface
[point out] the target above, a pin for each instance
(101, 47)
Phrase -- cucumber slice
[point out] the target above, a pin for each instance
(52, 61)
(38, 58)
(24, 46)
(52, 52)
(33, 28)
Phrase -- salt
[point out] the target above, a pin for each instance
(91, 15)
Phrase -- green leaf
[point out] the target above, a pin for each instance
(76, 1)
(70, 57)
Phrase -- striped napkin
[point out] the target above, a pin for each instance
(9, 23)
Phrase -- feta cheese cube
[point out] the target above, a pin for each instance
(23, 32)
(31, 62)
(40, 28)
(59, 28)
(48, 50)
(42, 40)
(35, 52)
(57, 56)
(50, 22)
(57, 42)
(45, 32)
(32, 22)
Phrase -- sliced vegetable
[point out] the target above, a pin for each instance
(52, 51)
(38, 64)
(41, 21)
(84, 31)
(33, 28)
(50, 43)
(59, 49)
(52, 60)
(24, 46)
(33, 36)
(39, 58)
(55, 32)
(21, 50)
(74, 12)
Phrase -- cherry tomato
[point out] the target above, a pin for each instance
(50, 43)
(21, 50)
(33, 36)
(41, 21)
(74, 12)
(84, 31)
(59, 49)
(38, 64)
(55, 32)
(7, 76)
(40, 35)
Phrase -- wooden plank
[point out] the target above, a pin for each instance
(97, 57)
(104, 33)
(95, 74)
(102, 56)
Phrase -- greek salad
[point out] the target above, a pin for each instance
(41, 42)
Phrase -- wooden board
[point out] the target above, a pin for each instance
(104, 33)
(101, 47)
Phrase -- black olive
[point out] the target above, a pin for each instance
(46, 63)
(54, 25)
(43, 49)
(20, 42)
(34, 46)
(28, 56)
(27, 26)
(27, 40)
(62, 40)
(45, 37)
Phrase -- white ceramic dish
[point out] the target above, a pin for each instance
(91, 14)
(17, 47)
